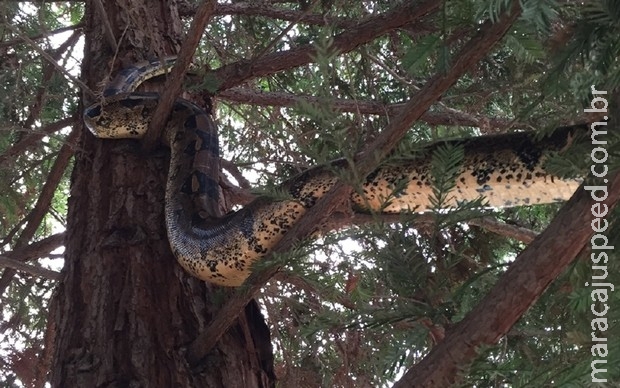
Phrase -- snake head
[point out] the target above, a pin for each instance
(122, 118)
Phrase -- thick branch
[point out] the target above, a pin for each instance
(492, 225)
(238, 72)
(333, 202)
(17, 265)
(174, 82)
(516, 290)
(105, 21)
(37, 249)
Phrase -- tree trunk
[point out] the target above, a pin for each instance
(124, 311)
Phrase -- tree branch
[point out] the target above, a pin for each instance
(48, 73)
(33, 137)
(235, 305)
(174, 82)
(46, 34)
(17, 265)
(515, 291)
(407, 12)
(469, 55)
(440, 116)
(268, 11)
(334, 200)
(50, 59)
(103, 16)
(492, 225)
(37, 249)
(43, 202)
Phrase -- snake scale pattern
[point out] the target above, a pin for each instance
(506, 169)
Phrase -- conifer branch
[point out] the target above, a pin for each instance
(336, 199)
(48, 72)
(50, 59)
(174, 82)
(43, 35)
(438, 116)
(35, 217)
(268, 11)
(32, 138)
(408, 12)
(16, 265)
(514, 292)
(512, 231)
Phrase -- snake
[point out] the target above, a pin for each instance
(506, 170)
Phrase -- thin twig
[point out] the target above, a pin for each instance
(389, 70)
(292, 24)
(50, 59)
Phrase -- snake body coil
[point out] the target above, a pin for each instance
(506, 169)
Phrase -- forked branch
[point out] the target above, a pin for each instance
(471, 53)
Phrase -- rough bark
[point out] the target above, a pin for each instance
(124, 311)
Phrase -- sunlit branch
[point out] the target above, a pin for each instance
(234, 171)
(43, 35)
(37, 249)
(6, 262)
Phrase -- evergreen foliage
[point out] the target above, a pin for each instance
(359, 306)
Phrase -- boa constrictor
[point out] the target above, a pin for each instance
(507, 169)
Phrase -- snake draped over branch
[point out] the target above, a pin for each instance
(508, 170)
